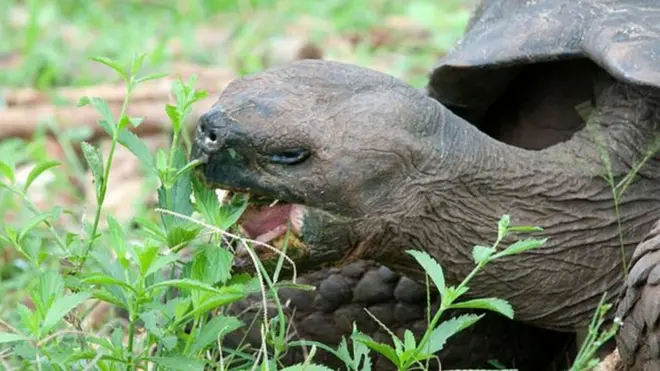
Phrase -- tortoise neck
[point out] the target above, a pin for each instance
(457, 203)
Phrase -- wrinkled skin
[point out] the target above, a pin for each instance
(381, 168)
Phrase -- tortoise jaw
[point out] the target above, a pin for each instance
(273, 229)
(268, 236)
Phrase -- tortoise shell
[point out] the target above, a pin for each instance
(620, 36)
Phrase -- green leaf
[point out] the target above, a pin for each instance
(177, 198)
(136, 65)
(175, 117)
(189, 166)
(502, 226)
(161, 262)
(102, 279)
(117, 238)
(181, 235)
(60, 308)
(147, 255)
(153, 76)
(8, 171)
(481, 254)
(7, 337)
(444, 331)
(136, 121)
(38, 170)
(409, 340)
(384, 349)
(493, 304)
(109, 297)
(179, 363)
(228, 295)
(134, 144)
(107, 118)
(123, 122)
(307, 367)
(186, 284)
(520, 246)
(432, 269)
(114, 64)
(212, 265)
(215, 329)
(524, 229)
(95, 161)
(50, 288)
(32, 223)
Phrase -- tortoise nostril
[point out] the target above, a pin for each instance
(213, 136)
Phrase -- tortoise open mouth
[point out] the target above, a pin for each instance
(271, 222)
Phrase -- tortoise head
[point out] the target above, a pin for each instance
(331, 142)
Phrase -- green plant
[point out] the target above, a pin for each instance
(176, 303)
(409, 354)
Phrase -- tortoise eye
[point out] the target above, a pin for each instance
(289, 156)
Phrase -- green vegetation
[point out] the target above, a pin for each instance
(169, 270)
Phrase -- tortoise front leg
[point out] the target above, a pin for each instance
(638, 340)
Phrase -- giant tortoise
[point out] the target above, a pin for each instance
(541, 111)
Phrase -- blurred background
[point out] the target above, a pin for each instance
(45, 43)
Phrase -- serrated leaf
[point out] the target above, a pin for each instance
(50, 288)
(215, 329)
(7, 337)
(38, 170)
(431, 268)
(444, 331)
(114, 64)
(32, 223)
(61, 307)
(409, 340)
(212, 265)
(147, 255)
(161, 262)
(95, 161)
(134, 144)
(481, 254)
(502, 226)
(494, 304)
(384, 349)
(179, 363)
(7, 171)
(177, 198)
(181, 235)
(520, 246)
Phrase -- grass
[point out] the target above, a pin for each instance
(60, 261)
